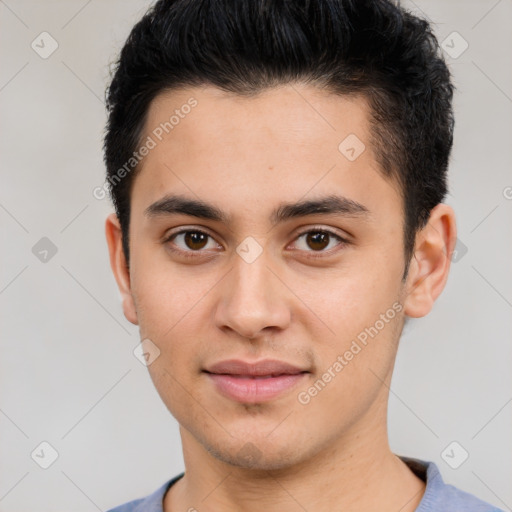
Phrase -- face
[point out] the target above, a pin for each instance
(254, 277)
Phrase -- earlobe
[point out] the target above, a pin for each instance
(430, 264)
(119, 267)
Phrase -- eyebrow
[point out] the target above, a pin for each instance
(332, 204)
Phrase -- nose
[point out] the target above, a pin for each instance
(252, 299)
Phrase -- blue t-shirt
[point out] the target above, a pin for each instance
(438, 497)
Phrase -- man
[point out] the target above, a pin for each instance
(278, 170)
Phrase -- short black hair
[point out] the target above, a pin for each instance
(370, 47)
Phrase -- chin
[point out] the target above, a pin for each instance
(257, 455)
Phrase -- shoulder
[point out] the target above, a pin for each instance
(150, 503)
(442, 497)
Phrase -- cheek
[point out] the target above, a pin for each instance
(351, 369)
(361, 307)
(349, 299)
(167, 296)
(170, 313)
(174, 309)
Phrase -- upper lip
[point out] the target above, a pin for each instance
(266, 367)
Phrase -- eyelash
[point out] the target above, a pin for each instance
(196, 254)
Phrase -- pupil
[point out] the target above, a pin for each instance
(195, 240)
(318, 241)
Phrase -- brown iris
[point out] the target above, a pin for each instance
(317, 240)
(195, 239)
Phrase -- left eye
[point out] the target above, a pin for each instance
(318, 240)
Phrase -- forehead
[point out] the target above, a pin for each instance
(294, 114)
(286, 142)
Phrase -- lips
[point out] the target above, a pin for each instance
(254, 382)
(266, 368)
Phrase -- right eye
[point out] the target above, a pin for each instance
(187, 242)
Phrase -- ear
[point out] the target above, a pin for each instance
(430, 264)
(119, 266)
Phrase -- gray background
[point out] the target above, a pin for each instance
(67, 372)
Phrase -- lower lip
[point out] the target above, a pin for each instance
(250, 390)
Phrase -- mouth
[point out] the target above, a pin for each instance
(246, 382)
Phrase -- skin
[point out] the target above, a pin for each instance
(247, 155)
